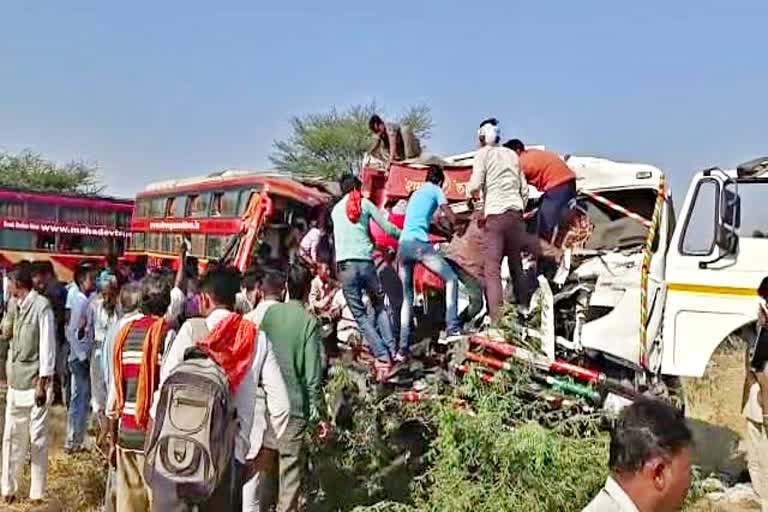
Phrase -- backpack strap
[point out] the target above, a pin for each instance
(198, 329)
(261, 346)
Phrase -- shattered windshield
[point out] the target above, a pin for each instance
(613, 228)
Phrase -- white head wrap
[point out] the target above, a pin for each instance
(490, 133)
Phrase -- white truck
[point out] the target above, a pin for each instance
(697, 275)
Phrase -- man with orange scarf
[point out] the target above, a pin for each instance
(136, 354)
(357, 273)
(231, 342)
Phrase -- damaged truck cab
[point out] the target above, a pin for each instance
(648, 297)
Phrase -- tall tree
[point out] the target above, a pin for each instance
(332, 143)
(31, 171)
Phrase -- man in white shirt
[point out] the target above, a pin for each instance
(496, 173)
(219, 288)
(31, 363)
(79, 332)
(258, 492)
(650, 461)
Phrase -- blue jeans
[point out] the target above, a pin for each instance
(79, 404)
(358, 277)
(553, 202)
(410, 253)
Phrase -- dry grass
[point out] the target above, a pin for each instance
(713, 405)
(75, 483)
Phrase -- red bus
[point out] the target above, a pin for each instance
(214, 208)
(64, 229)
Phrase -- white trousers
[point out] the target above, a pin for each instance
(24, 422)
(757, 461)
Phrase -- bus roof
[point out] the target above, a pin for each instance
(278, 184)
(65, 199)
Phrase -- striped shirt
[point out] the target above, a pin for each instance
(130, 436)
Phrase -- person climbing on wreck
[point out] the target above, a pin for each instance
(496, 174)
(552, 177)
(415, 247)
(357, 273)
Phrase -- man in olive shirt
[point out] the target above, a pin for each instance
(295, 341)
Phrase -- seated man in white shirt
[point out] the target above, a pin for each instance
(650, 461)
(219, 288)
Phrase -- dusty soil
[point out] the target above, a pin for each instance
(75, 483)
(713, 405)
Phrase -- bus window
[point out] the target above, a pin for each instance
(166, 241)
(229, 203)
(12, 239)
(245, 199)
(41, 211)
(216, 244)
(95, 245)
(198, 245)
(153, 242)
(46, 242)
(123, 220)
(12, 210)
(180, 206)
(198, 205)
(142, 208)
(137, 241)
(216, 204)
(170, 206)
(157, 207)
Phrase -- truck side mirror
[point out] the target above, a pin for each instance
(730, 219)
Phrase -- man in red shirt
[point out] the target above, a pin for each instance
(553, 178)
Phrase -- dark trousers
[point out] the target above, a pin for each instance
(293, 466)
(505, 236)
(475, 293)
(553, 202)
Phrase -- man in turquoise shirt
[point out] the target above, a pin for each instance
(356, 272)
(415, 248)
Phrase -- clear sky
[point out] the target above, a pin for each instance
(151, 90)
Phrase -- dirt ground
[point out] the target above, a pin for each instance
(713, 406)
(75, 483)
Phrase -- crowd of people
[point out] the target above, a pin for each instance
(202, 389)
(109, 343)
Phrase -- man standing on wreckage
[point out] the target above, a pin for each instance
(497, 176)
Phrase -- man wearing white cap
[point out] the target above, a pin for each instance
(496, 173)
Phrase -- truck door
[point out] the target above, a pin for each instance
(716, 261)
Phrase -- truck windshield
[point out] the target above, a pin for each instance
(753, 209)
(614, 229)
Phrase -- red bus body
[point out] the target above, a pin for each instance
(64, 229)
(385, 189)
(212, 209)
